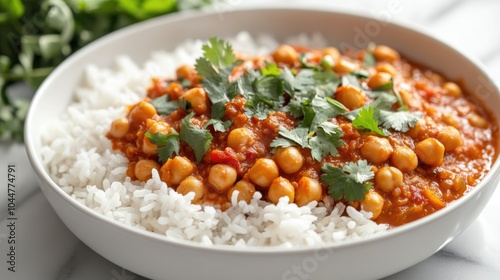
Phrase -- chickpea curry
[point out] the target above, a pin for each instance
(367, 128)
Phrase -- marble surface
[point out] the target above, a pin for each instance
(46, 249)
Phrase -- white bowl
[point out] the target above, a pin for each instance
(153, 256)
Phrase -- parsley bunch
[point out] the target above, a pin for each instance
(349, 182)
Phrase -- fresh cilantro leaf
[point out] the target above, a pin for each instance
(215, 67)
(164, 106)
(288, 81)
(383, 100)
(219, 125)
(400, 121)
(349, 182)
(304, 61)
(304, 80)
(216, 85)
(322, 142)
(168, 144)
(244, 85)
(391, 87)
(326, 82)
(219, 53)
(269, 87)
(266, 97)
(295, 137)
(361, 74)
(218, 110)
(385, 87)
(369, 60)
(271, 69)
(294, 107)
(350, 80)
(185, 83)
(320, 109)
(206, 69)
(327, 140)
(260, 107)
(184, 104)
(365, 120)
(198, 139)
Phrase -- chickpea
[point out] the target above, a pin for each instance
(477, 121)
(332, 52)
(197, 97)
(289, 159)
(148, 147)
(286, 54)
(406, 97)
(174, 90)
(450, 137)
(307, 191)
(430, 151)
(119, 128)
(157, 127)
(142, 111)
(387, 178)
(452, 89)
(382, 52)
(450, 180)
(239, 138)
(245, 190)
(450, 119)
(376, 149)
(154, 127)
(373, 203)
(404, 159)
(176, 169)
(279, 188)
(386, 68)
(185, 72)
(192, 184)
(222, 176)
(351, 96)
(345, 66)
(379, 79)
(143, 168)
(263, 172)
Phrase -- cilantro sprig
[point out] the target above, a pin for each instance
(365, 120)
(349, 182)
(198, 139)
(401, 120)
(379, 115)
(322, 142)
(168, 144)
(163, 105)
(215, 66)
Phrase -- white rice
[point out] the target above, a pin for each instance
(80, 159)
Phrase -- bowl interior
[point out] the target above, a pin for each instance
(339, 28)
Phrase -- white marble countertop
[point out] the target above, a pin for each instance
(48, 250)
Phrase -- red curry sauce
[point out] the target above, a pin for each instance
(412, 184)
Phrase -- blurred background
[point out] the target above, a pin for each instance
(37, 35)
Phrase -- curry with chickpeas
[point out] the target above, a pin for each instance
(367, 128)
